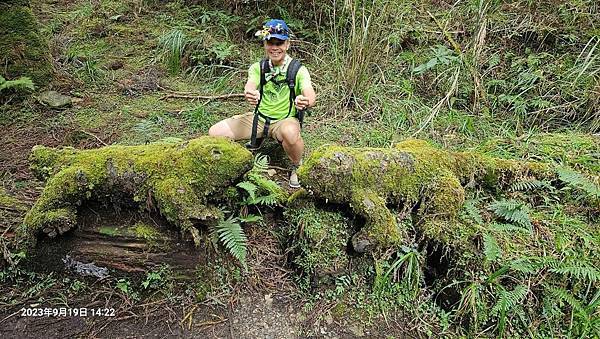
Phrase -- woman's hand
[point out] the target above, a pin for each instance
(252, 96)
(301, 102)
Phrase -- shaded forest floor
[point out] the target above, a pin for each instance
(107, 57)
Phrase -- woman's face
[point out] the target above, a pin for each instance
(276, 50)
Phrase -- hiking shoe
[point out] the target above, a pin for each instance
(294, 182)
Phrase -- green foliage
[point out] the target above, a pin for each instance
(472, 210)
(21, 83)
(585, 320)
(352, 49)
(578, 270)
(23, 49)
(318, 238)
(199, 119)
(509, 302)
(491, 249)
(509, 228)
(160, 279)
(406, 269)
(232, 236)
(528, 184)
(442, 56)
(151, 128)
(91, 70)
(578, 181)
(572, 149)
(217, 53)
(518, 66)
(172, 45)
(260, 189)
(13, 270)
(126, 287)
(513, 211)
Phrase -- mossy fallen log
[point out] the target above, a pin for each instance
(178, 179)
(427, 183)
(470, 230)
(107, 243)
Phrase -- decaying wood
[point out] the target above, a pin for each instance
(177, 179)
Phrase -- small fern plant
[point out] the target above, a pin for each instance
(584, 319)
(529, 184)
(20, 83)
(261, 190)
(508, 305)
(579, 182)
(229, 231)
(513, 211)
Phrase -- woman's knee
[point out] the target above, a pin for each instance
(220, 129)
(290, 133)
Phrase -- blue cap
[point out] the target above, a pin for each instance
(274, 28)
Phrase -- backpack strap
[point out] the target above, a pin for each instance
(254, 144)
(290, 78)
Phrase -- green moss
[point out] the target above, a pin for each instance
(413, 173)
(177, 178)
(573, 149)
(23, 51)
(380, 228)
(201, 289)
(10, 202)
(319, 238)
(146, 232)
(109, 230)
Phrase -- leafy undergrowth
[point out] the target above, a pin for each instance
(522, 263)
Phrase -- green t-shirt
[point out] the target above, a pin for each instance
(276, 98)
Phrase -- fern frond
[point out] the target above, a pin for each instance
(249, 187)
(565, 296)
(473, 211)
(551, 309)
(261, 190)
(528, 184)
(576, 270)
(512, 210)
(261, 163)
(528, 265)
(268, 200)
(250, 218)
(510, 204)
(233, 238)
(508, 301)
(269, 186)
(490, 248)
(579, 181)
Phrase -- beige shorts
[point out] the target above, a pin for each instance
(241, 126)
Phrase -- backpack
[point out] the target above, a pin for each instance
(290, 79)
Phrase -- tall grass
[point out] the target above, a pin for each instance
(354, 48)
(533, 66)
(172, 45)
